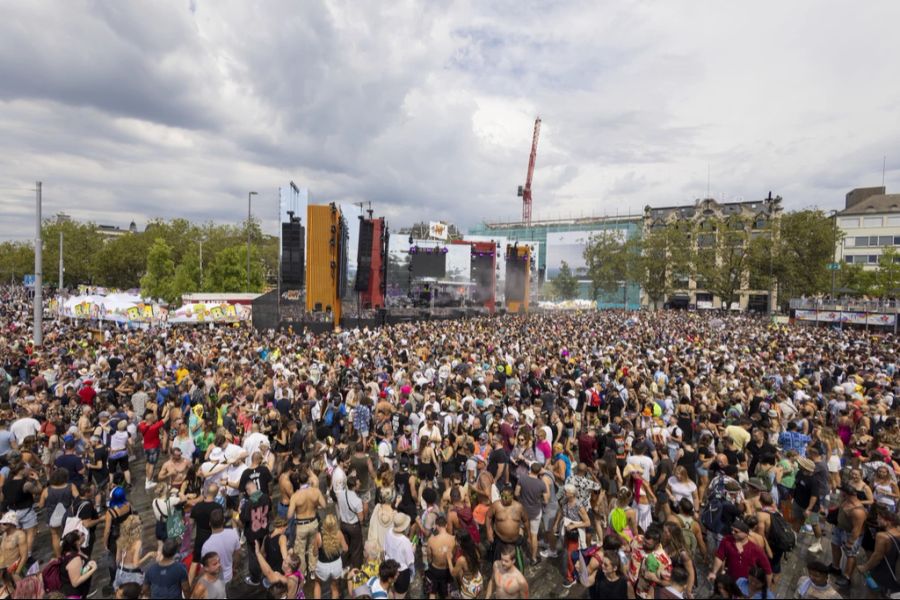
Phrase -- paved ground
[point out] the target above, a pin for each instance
(545, 578)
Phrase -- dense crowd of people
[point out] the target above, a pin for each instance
(648, 455)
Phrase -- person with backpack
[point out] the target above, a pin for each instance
(57, 498)
(70, 574)
(683, 516)
(736, 555)
(775, 530)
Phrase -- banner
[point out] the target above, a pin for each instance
(805, 315)
(211, 313)
(131, 308)
(857, 318)
(438, 230)
(882, 320)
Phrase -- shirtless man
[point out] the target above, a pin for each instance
(441, 546)
(506, 520)
(507, 581)
(13, 545)
(304, 503)
(175, 469)
(288, 482)
(455, 482)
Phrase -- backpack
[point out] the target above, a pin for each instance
(712, 513)
(51, 575)
(595, 399)
(690, 540)
(781, 537)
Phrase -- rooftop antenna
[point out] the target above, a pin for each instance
(707, 180)
(883, 165)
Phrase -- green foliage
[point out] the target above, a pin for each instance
(565, 284)
(856, 279)
(724, 259)
(228, 272)
(81, 249)
(667, 252)
(16, 261)
(611, 260)
(887, 277)
(157, 281)
(802, 250)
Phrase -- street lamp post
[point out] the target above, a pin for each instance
(833, 248)
(249, 195)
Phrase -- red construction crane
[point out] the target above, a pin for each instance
(525, 192)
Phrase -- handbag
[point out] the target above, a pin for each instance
(58, 518)
(174, 521)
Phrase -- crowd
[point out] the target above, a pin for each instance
(648, 455)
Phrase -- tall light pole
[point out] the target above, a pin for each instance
(60, 261)
(249, 195)
(833, 249)
(38, 272)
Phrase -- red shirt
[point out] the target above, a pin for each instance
(587, 449)
(738, 563)
(87, 395)
(151, 434)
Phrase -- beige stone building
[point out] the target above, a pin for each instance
(756, 217)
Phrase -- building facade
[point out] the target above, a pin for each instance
(870, 223)
(703, 222)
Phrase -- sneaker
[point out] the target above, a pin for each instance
(150, 485)
(249, 581)
(548, 553)
(569, 584)
(841, 581)
(815, 548)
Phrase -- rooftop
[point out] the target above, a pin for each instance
(863, 201)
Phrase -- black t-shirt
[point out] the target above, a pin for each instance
(604, 588)
(260, 475)
(497, 458)
(101, 455)
(201, 513)
(85, 510)
(73, 464)
(255, 515)
(283, 406)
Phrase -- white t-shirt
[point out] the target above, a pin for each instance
(338, 480)
(224, 543)
(682, 489)
(24, 427)
(398, 547)
(349, 505)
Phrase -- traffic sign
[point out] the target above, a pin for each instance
(28, 280)
(834, 266)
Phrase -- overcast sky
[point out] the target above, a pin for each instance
(133, 110)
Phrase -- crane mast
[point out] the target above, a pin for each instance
(525, 191)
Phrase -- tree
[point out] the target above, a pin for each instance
(887, 277)
(612, 262)
(667, 256)
(565, 284)
(803, 247)
(228, 271)
(82, 246)
(122, 261)
(855, 277)
(723, 258)
(16, 261)
(157, 282)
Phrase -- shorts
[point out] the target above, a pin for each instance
(27, 518)
(437, 582)
(841, 538)
(118, 464)
(161, 531)
(548, 517)
(834, 464)
(152, 455)
(326, 571)
(535, 524)
(401, 584)
(798, 516)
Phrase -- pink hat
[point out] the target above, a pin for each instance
(405, 390)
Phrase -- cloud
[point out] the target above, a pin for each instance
(178, 108)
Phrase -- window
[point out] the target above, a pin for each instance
(872, 222)
(873, 259)
(849, 259)
(897, 240)
(706, 240)
(893, 221)
(760, 223)
(862, 241)
(873, 241)
(849, 223)
(885, 240)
